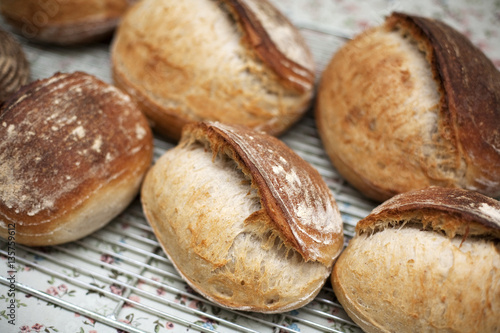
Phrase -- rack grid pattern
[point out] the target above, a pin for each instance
(122, 270)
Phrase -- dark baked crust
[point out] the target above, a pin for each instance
(64, 139)
(453, 211)
(470, 104)
(302, 208)
(295, 75)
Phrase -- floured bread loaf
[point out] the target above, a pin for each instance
(14, 68)
(411, 104)
(64, 22)
(237, 62)
(246, 221)
(73, 153)
(424, 261)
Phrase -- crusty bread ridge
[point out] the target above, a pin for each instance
(237, 62)
(398, 109)
(245, 221)
(74, 152)
(64, 22)
(14, 67)
(424, 261)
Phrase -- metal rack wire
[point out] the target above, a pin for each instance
(123, 262)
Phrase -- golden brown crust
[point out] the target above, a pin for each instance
(169, 122)
(251, 66)
(396, 111)
(367, 136)
(67, 139)
(14, 68)
(64, 22)
(300, 208)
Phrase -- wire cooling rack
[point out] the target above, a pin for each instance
(119, 279)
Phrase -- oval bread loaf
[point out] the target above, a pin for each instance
(424, 261)
(73, 153)
(412, 104)
(14, 67)
(64, 22)
(246, 222)
(233, 61)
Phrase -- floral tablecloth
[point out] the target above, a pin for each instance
(478, 19)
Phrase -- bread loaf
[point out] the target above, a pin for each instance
(14, 67)
(237, 62)
(246, 222)
(64, 22)
(411, 104)
(73, 153)
(424, 261)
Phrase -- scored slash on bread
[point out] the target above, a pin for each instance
(73, 153)
(292, 193)
(424, 261)
(232, 61)
(470, 97)
(411, 104)
(245, 221)
(468, 213)
(276, 42)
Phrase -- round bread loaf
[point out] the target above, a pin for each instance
(246, 222)
(73, 153)
(64, 22)
(237, 62)
(411, 104)
(14, 68)
(424, 261)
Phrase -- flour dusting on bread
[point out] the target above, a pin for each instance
(68, 139)
(305, 201)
